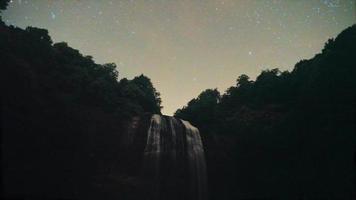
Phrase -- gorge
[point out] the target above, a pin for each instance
(75, 129)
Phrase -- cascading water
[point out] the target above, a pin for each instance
(174, 161)
(196, 161)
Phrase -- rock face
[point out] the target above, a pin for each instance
(172, 158)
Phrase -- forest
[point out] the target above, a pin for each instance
(286, 129)
(60, 112)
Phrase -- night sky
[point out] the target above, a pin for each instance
(186, 46)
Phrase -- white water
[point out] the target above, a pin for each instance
(152, 153)
(154, 137)
(196, 160)
(174, 152)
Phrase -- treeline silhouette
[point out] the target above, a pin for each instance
(61, 114)
(286, 134)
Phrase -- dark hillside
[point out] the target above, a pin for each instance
(62, 114)
(286, 134)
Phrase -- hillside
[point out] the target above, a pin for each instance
(286, 134)
(62, 114)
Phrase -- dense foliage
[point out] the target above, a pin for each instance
(299, 123)
(62, 114)
(321, 82)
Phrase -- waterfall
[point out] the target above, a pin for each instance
(196, 161)
(174, 161)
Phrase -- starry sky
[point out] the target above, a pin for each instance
(186, 46)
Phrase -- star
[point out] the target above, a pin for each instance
(53, 16)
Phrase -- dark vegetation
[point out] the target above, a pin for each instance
(286, 134)
(61, 115)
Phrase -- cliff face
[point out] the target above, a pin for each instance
(156, 157)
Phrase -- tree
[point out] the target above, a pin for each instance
(201, 111)
(39, 34)
(4, 4)
(328, 45)
(243, 80)
(141, 90)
